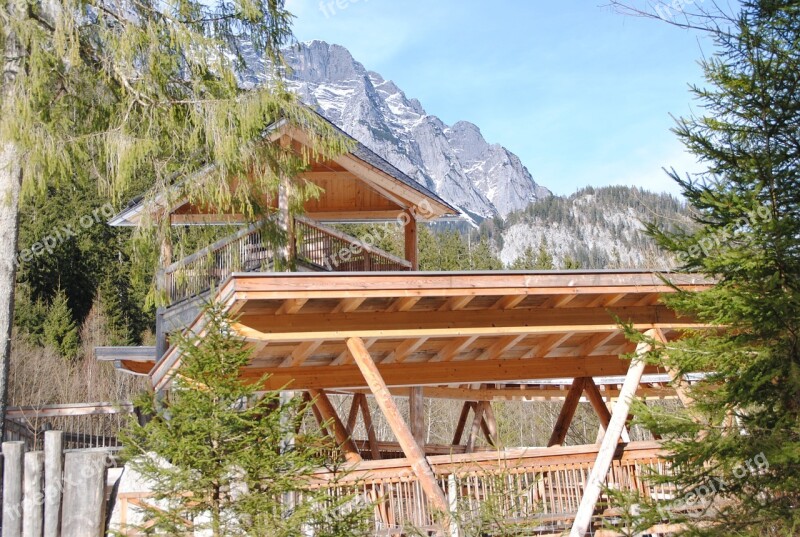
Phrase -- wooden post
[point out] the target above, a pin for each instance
(567, 413)
(411, 239)
(478, 409)
(605, 454)
(32, 506)
(339, 431)
(53, 478)
(371, 436)
(13, 453)
(419, 464)
(84, 493)
(462, 422)
(416, 405)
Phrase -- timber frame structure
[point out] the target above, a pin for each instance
(372, 326)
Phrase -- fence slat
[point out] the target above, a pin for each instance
(84, 493)
(32, 505)
(53, 479)
(13, 453)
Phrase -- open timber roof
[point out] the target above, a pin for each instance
(439, 329)
(361, 162)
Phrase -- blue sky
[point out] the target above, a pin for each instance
(582, 94)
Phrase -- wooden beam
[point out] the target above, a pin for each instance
(291, 306)
(411, 240)
(371, 436)
(347, 305)
(329, 414)
(595, 342)
(567, 412)
(597, 402)
(404, 303)
(496, 350)
(453, 348)
(478, 411)
(352, 416)
(403, 350)
(549, 343)
(456, 303)
(416, 413)
(508, 302)
(605, 455)
(462, 421)
(490, 423)
(301, 353)
(416, 457)
(345, 357)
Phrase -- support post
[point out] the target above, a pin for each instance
(416, 457)
(411, 239)
(416, 405)
(605, 454)
(339, 431)
(13, 453)
(53, 469)
(32, 506)
(567, 413)
(84, 494)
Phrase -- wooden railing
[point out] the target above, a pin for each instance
(247, 251)
(84, 425)
(334, 251)
(535, 489)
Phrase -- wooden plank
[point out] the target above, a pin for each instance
(567, 413)
(291, 306)
(508, 302)
(348, 305)
(416, 412)
(329, 414)
(371, 436)
(13, 472)
(597, 402)
(437, 373)
(411, 239)
(301, 353)
(549, 343)
(403, 350)
(462, 421)
(595, 342)
(32, 506)
(454, 348)
(84, 494)
(456, 303)
(416, 457)
(605, 454)
(404, 303)
(496, 351)
(53, 468)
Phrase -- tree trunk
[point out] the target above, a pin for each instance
(10, 186)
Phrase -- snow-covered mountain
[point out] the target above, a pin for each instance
(455, 161)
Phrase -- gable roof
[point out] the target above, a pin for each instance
(133, 211)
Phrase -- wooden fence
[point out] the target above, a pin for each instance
(53, 492)
(85, 425)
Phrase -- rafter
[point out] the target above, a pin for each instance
(497, 349)
(404, 350)
(453, 348)
(301, 353)
(404, 303)
(456, 303)
(291, 306)
(508, 302)
(347, 305)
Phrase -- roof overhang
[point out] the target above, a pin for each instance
(435, 329)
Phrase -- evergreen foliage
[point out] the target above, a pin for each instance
(737, 450)
(59, 329)
(225, 453)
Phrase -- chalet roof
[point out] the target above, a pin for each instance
(133, 209)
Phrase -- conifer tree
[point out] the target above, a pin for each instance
(217, 451)
(59, 328)
(118, 91)
(736, 451)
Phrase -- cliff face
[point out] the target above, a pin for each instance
(455, 161)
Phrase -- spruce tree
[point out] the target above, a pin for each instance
(119, 91)
(59, 329)
(225, 453)
(736, 449)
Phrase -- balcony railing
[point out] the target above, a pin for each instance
(322, 248)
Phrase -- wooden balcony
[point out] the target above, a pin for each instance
(317, 248)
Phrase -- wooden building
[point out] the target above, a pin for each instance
(359, 321)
